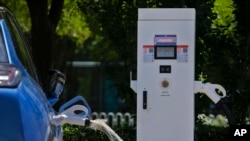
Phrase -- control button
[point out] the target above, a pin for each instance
(165, 83)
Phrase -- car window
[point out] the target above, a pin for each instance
(21, 45)
(3, 54)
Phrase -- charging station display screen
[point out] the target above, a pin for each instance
(165, 52)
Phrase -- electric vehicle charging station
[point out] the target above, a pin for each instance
(165, 84)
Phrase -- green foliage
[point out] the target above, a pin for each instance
(225, 17)
(212, 133)
(204, 20)
(228, 55)
(114, 23)
(223, 56)
(212, 120)
(77, 133)
(113, 42)
(21, 12)
(73, 24)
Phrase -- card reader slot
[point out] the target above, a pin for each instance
(144, 104)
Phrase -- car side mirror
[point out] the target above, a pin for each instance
(54, 85)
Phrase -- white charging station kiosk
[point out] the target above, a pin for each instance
(165, 74)
(165, 84)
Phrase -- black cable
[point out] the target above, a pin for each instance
(226, 111)
(195, 136)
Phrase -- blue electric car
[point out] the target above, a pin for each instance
(25, 109)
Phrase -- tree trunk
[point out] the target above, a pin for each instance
(44, 22)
